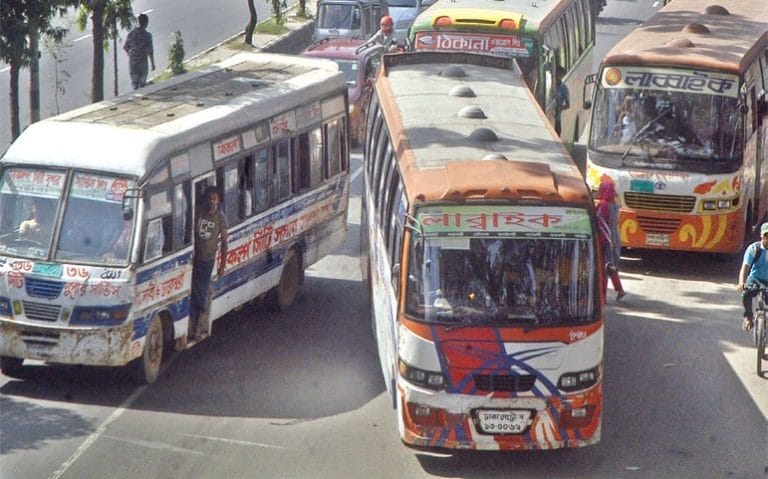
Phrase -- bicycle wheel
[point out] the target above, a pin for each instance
(760, 340)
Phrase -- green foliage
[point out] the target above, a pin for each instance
(278, 9)
(176, 54)
(271, 27)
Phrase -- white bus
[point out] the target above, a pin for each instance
(113, 187)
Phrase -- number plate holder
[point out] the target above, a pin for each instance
(502, 421)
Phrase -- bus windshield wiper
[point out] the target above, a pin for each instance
(641, 134)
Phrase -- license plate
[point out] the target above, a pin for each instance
(656, 239)
(507, 421)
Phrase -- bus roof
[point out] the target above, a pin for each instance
(466, 124)
(130, 134)
(530, 16)
(723, 36)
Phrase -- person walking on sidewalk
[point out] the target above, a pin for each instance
(138, 45)
(608, 235)
(753, 274)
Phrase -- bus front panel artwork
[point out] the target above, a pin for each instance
(499, 348)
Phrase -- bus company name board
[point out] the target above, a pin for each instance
(689, 81)
(449, 220)
(499, 45)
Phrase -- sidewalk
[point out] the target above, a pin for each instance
(296, 39)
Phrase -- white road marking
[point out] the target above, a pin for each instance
(234, 441)
(154, 445)
(81, 38)
(103, 426)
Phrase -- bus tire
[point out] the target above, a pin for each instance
(146, 368)
(284, 294)
(10, 366)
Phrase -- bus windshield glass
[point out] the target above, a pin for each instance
(505, 277)
(668, 125)
(92, 231)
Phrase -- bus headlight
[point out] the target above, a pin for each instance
(723, 204)
(5, 307)
(709, 205)
(719, 204)
(100, 315)
(579, 380)
(420, 377)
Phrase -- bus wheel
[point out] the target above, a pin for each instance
(10, 366)
(284, 294)
(146, 368)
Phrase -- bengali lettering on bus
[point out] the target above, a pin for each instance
(98, 187)
(452, 220)
(499, 45)
(36, 182)
(688, 81)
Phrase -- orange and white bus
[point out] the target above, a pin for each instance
(680, 123)
(542, 36)
(481, 260)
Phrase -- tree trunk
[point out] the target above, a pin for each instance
(97, 79)
(34, 74)
(252, 21)
(15, 124)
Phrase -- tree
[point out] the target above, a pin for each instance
(278, 6)
(176, 54)
(253, 19)
(105, 16)
(21, 24)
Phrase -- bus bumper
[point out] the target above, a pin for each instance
(427, 421)
(715, 233)
(88, 346)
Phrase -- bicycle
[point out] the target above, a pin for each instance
(758, 331)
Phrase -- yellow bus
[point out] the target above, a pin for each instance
(542, 36)
(680, 123)
(480, 257)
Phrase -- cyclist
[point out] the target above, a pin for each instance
(753, 274)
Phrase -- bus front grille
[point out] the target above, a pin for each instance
(41, 311)
(653, 202)
(658, 225)
(504, 383)
(43, 288)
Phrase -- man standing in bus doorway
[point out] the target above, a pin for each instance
(562, 97)
(138, 45)
(753, 274)
(210, 229)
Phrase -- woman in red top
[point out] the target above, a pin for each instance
(607, 234)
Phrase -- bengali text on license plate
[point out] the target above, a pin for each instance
(656, 239)
(503, 421)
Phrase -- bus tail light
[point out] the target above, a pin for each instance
(443, 22)
(425, 416)
(577, 417)
(508, 24)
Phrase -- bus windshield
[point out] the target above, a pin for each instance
(693, 131)
(502, 281)
(92, 229)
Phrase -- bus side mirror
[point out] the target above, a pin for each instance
(586, 99)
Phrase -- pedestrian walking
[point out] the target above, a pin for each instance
(610, 242)
(138, 45)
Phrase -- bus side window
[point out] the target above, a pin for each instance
(231, 193)
(281, 183)
(261, 183)
(182, 216)
(303, 168)
(158, 239)
(333, 148)
(246, 187)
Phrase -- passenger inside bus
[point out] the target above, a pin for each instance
(35, 228)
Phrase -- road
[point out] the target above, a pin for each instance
(300, 395)
(202, 24)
